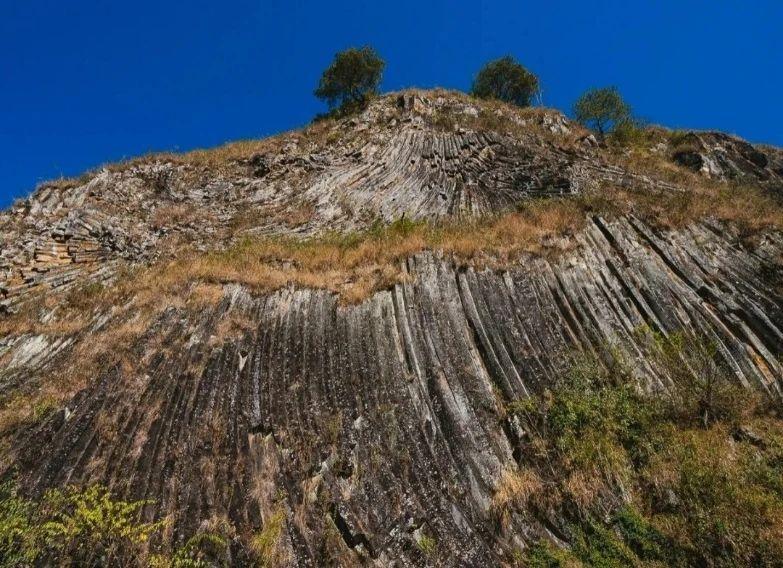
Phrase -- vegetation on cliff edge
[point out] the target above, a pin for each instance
(689, 476)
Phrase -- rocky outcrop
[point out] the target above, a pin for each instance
(393, 160)
(378, 423)
(377, 432)
(721, 156)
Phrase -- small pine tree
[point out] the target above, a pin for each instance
(506, 80)
(601, 109)
(353, 75)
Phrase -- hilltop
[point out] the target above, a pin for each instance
(415, 155)
(339, 344)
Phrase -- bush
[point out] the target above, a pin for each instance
(506, 80)
(692, 478)
(647, 542)
(543, 554)
(719, 510)
(595, 420)
(353, 76)
(601, 110)
(81, 526)
(630, 132)
(16, 529)
(703, 390)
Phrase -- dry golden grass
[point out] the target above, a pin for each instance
(584, 488)
(203, 295)
(357, 265)
(55, 386)
(749, 208)
(27, 321)
(234, 326)
(291, 215)
(22, 409)
(515, 490)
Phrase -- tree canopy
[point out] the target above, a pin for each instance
(506, 80)
(601, 109)
(353, 75)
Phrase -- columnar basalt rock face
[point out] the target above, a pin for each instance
(389, 162)
(374, 427)
(429, 175)
(715, 154)
(387, 417)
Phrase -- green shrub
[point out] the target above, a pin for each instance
(593, 419)
(597, 545)
(506, 80)
(646, 541)
(443, 121)
(427, 544)
(17, 543)
(710, 499)
(351, 79)
(544, 554)
(629, 133)
(70, 527)
(703, 389)
(691, 478)
(601, 110)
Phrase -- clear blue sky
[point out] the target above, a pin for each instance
(86, 82)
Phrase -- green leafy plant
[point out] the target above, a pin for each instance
(352, 77)
(87, 523)
(18, 544)
(267, 543)
(70, 526)
(689, 478)
(601, 109)
(427, 544)
(544, 554)
(505, 79)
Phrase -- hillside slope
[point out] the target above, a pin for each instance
(313, 341)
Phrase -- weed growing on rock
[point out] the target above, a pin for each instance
(70, 526)
(267, 543)
(203, 550)
(427, 544)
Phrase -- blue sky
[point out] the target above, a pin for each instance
(87, 82)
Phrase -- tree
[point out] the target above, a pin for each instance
(506, 80)
(353, 75)
(601, 109)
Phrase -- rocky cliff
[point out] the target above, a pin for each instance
(366, 430)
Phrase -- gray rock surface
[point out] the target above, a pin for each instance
(375, 426)
(388, 162)
(387, 417)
